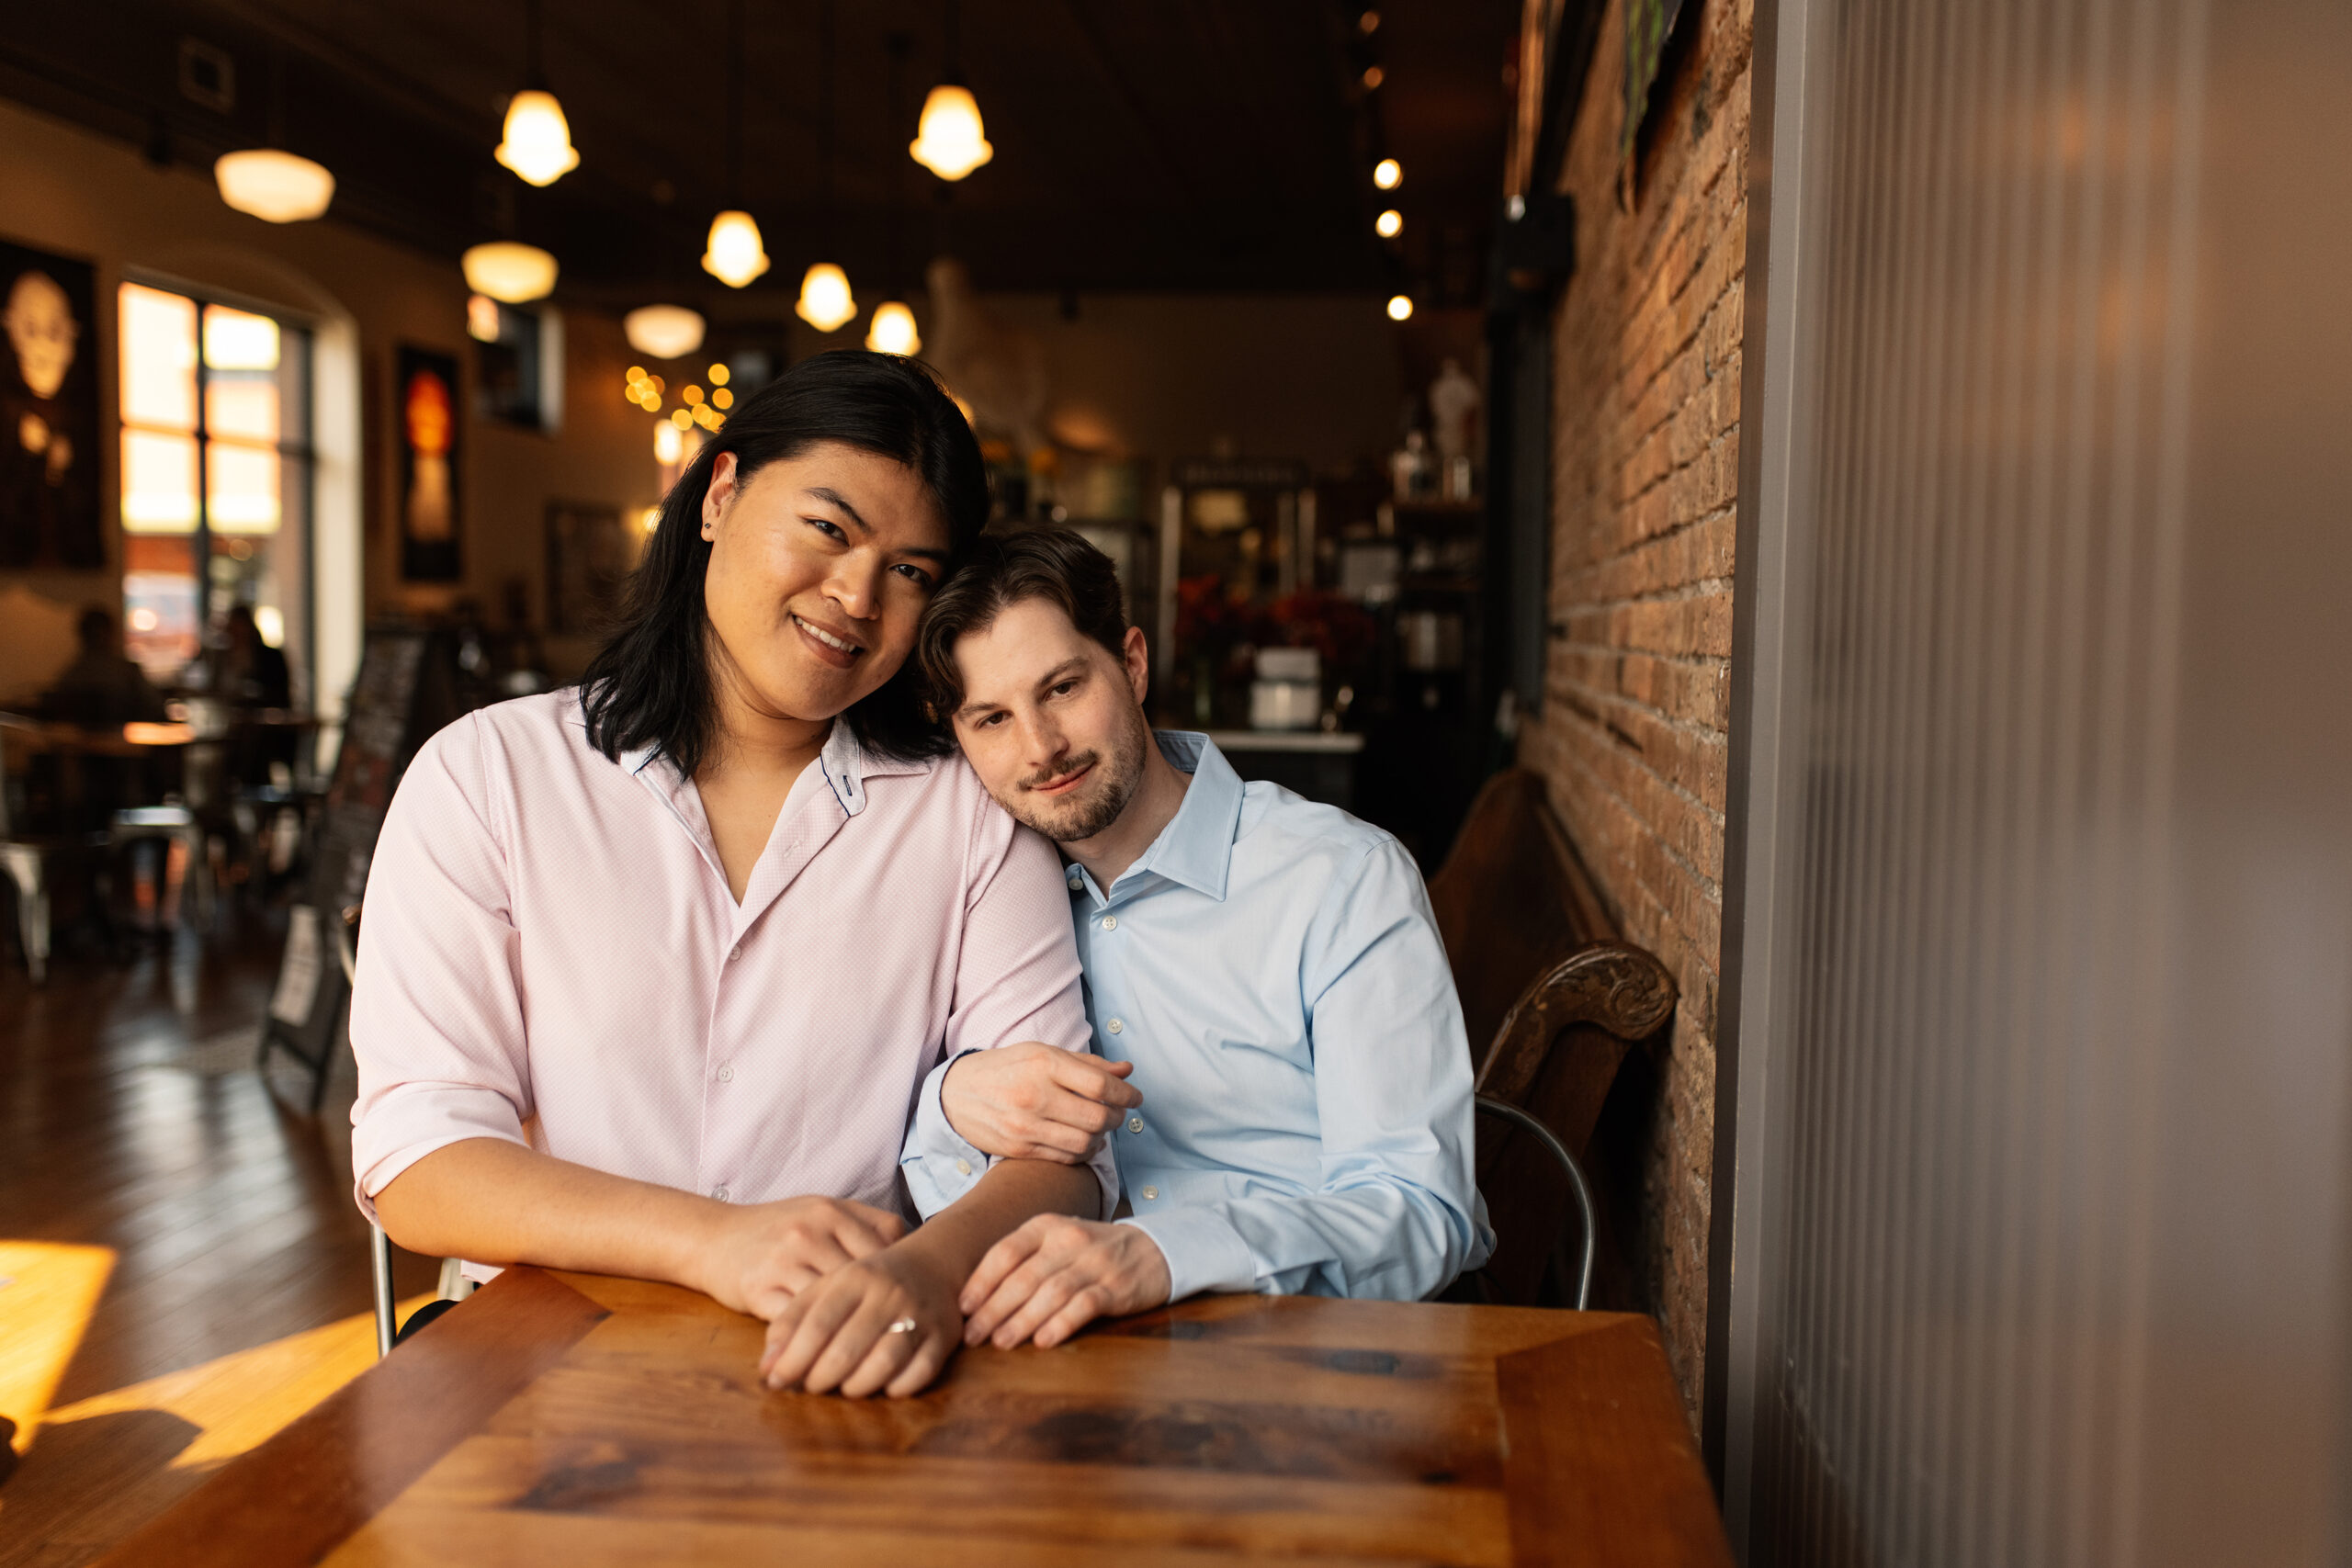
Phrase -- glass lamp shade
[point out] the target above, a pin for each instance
(950, 141)
(734, 254)
(514, 273)
(538, 139)
(825, 300)
(274, 187)
(481, 318)
(892, 331)
(663, 332)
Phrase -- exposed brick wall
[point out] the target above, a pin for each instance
(1645, 468)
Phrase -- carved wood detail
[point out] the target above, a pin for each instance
(1613, 985)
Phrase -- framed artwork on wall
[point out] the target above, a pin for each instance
(591, 552)
(49, 412)
(426, 398)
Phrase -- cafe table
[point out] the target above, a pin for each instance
(580, 1420)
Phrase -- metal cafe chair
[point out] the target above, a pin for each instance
(1588, 1221)
(380, 1246)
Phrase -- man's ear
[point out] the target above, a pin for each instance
(721, 491)
(1137, 659)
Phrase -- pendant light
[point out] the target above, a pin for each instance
(538, 139)
(663, 332)
(509, 272)
(734, 254)
(892, 331)
(950, 141)
(268, 182)
(826, 302)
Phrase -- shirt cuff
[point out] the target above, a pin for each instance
(415, 1120)
(1202, 1250)
(939, 1166)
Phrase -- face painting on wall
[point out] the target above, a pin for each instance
(49, 413)
(429, 517)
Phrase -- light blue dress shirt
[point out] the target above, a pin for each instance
(1272, 967)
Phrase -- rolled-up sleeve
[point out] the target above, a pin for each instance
(1397, 1213)
(436, 1011)
(1016, 980)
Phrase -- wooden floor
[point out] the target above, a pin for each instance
(143, 1158)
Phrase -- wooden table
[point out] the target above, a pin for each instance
(580, 1420)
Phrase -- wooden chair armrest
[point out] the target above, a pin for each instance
(1613, 985)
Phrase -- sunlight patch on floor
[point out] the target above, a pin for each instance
(240, 1400)
(53, 1288)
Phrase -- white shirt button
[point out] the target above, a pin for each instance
(1150, 1193)
(1134, 1123)
(726, 1075)
(1115, 1025)
(963, 1167)
(719, 1193)
(1110, 922)
(1077, 883)
(734, 953)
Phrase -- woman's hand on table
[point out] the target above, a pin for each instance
(766, 1255)
(1036, 1102)
(838, 1336)
(1054, 1275)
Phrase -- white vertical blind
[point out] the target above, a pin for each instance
(2037, 1243)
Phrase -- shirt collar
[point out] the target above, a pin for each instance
(1196, 847)
(844, 763)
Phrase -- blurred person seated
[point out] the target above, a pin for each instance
(1297, 1115)
(102, 689)
(247, 672)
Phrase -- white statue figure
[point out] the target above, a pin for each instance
(998, 371)
(1454, 410)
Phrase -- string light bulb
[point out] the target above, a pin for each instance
(734, 254)
(669, 444)
(1389, 223)
(538, 139)
(892, 331)
(481, 318)
(1389, 173)
(1400, 307)
(825, 300)
(950, 141)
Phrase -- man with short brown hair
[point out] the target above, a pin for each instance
(1294, 1111)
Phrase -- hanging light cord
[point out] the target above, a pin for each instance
(735, 103)
(534, 65)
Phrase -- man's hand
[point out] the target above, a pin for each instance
(1054, 1275)
(837, 1335)
(1036, 1102)
(767, 1254)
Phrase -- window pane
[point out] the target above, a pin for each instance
(158, 482)
(235, 340)
(159, 604)
(158, 358)
(240, 405)
(243, 482)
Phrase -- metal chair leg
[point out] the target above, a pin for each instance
(379, 1251)
(1490, 1106)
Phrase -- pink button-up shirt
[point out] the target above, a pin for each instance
(551, 956)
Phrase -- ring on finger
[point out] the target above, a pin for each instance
(904, 1326)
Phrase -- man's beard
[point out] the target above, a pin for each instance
(1099, 799)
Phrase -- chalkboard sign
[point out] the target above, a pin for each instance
(407, 689)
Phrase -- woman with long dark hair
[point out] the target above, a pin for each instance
(654, 969)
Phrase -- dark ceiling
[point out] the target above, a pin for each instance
(1181, 144)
